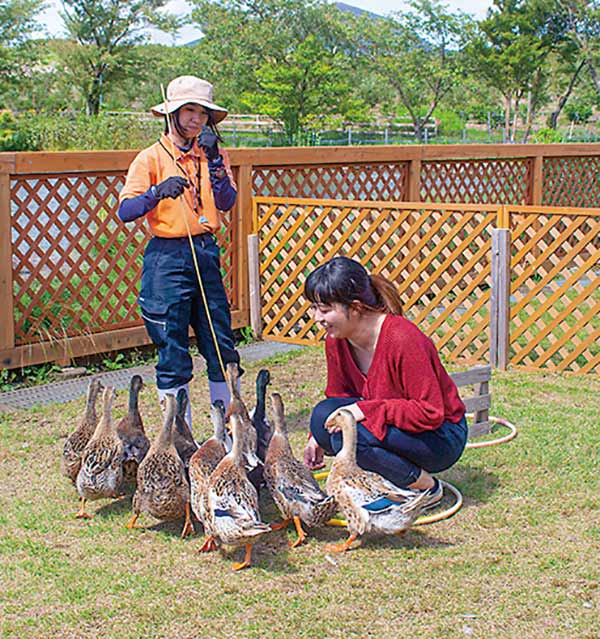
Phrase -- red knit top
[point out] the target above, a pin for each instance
(406, 385)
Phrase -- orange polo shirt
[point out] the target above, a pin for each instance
(155, 164)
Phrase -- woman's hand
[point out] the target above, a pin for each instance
(333, 427)
(172, 187)
(313, 455)
(208, 142)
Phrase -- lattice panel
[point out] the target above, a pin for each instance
(571, 182)
(477, 181)
(76, 267)
(555, 291)
(385, 181)
(439, 258)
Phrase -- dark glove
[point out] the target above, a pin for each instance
(171, 187)
(208, 142)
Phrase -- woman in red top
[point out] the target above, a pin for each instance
(388, 374)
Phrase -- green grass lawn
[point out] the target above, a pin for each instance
(519, 560)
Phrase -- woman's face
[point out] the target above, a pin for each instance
(192, 117)
(336, 319)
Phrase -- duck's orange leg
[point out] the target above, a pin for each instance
(82, 514)
(208, 545)
(188, 527)
(301, 533)
(343, 547)
(246, 563)
(281, 525)
(131, 523)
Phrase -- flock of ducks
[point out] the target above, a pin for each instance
(218, 481)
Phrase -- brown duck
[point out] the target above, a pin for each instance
(184, 442)
(77, 440)
(162, 489)
(131, 431)
(232, 501)
(292, 485)
(202, 464)
(101, 471)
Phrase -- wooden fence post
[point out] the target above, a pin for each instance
(244, 228)
(254, 280)
(537, 180)
(500, 299)
(7, 322)
(414, 180)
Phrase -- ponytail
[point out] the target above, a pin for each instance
(387, 293)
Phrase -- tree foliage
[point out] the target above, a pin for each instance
(307, 63)
(419, 55)
(18, 20)
(104, 33)
(290, 59)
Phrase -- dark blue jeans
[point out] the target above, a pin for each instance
(171, 302)
(401, 455)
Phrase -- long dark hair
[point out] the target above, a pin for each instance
(344, 281)
(174, 117)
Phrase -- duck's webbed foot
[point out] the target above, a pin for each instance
(281, 525)
(301, 534)
(82, 514)
(188, 527)
(246, 563)
(208, 545)
(343, 547)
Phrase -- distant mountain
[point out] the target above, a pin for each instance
(342, 6)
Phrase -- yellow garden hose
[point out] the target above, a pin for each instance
(500, 440)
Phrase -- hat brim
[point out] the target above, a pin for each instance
(219, 113)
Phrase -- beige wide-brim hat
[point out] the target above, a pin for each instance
(188, 89)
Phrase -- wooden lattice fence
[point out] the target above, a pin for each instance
(555, 289)
(69, 271)
(440, 257)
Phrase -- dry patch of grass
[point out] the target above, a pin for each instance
(519, 560)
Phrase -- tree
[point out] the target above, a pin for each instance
(581, 22)
(105, 33)
(18, 20)
(509, 50)
(418, 54)
(291, 59)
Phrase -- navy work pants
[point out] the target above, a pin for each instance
(401, 455)
(171, 302)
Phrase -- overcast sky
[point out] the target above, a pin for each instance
(53, 22)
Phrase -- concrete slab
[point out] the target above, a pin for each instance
(67, 390)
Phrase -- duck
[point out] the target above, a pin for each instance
(237, 406)
(369, 502)
(232, 501)
(132, 433)
(77, 440)
(262, 426)
(101, 471)
(162, 488)
(294, 489)
(184, 442)
(202, 463)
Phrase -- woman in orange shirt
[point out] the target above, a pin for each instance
(182, 183)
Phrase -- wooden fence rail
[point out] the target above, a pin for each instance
(69, 270)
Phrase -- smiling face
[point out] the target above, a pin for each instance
(337, 319)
